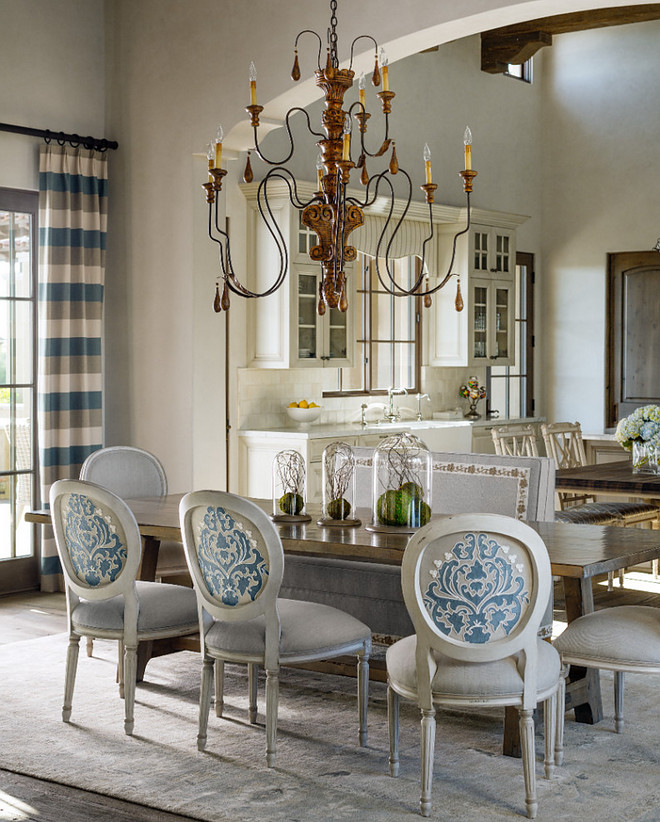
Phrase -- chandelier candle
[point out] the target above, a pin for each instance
(334, 212)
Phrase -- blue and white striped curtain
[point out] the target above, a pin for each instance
(73, 190)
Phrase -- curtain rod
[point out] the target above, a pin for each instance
(61, 137)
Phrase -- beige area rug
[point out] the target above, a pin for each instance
(321, 774)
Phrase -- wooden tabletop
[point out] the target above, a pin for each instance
(577, 551)
(612, 478)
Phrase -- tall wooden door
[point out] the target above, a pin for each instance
(633, 331)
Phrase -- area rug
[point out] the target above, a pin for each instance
(321, 774)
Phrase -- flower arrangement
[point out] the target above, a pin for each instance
(643, 425)
(473, 392)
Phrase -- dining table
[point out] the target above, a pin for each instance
(614, 479)
(577, 553)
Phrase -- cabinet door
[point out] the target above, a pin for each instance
(493, 251)
(492, 322)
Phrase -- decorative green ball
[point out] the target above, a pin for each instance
(403, 507)
(339, 508)
(418, 513)
(412, 489)
(291, 503)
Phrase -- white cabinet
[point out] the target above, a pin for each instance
(284, 329)
(483, 332)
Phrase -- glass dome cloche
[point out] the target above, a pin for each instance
(338, 464)
(402, 467)
(289, 488)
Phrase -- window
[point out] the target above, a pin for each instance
(388, 333)
(18, 217)
(520, 71)
(510, 387)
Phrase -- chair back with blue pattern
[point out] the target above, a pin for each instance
(126, 471)
(476, 585)
(234, 555)
(97, 539)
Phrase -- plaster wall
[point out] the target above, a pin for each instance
(600, 195)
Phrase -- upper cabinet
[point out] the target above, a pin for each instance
(483, 332)
(284, 329)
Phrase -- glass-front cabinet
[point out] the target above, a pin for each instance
(491, 322)
(285, 330)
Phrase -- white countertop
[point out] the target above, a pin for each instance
(316, 430)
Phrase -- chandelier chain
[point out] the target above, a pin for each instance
(332, 34)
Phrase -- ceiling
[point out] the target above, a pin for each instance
(520, 42)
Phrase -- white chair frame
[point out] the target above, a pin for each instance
(515, 440)
(523, 639)
(264, 605)
(124, 585)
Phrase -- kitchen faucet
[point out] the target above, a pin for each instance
(393, 414)
(421, 397)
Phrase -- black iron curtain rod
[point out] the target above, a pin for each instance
(60, 137)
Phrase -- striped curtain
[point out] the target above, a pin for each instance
(73, 191)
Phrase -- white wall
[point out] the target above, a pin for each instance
(601, 194)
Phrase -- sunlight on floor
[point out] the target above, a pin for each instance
(12, 808)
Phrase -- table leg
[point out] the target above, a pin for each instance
(583, 687)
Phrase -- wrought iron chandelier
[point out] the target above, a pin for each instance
(332, 213)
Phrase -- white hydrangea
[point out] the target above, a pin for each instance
(643, 424)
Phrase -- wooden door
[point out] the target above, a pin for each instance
(633, 332)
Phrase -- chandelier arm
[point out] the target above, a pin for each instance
(317, 35)
(362, 37)
(363, 112)
(220, 242)
(289, 113)
(449, 273)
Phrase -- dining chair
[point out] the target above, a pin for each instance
(476, 587)
(236, 562)
(99, 547)
(622, 639)
(131, 472)
(564, 443)
(515, 440)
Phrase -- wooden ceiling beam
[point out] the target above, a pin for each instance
(519, 42)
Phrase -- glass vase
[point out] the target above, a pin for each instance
(644, 458)
(289, 488)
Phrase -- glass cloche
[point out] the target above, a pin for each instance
(338, 464)
(289, 488)
(401, 484)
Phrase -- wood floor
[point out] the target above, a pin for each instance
(28, 616)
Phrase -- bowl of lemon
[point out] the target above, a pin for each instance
(303, 412)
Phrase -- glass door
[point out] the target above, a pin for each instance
(18, 464)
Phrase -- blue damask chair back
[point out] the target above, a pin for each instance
(234, 555)
(97, 539)
(476, 585)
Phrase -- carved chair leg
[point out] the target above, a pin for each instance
(130, 674)
(427, 754)
(272, 697)
(253, 681)
(204, 702)
(363, 696)
(90, 646)
(618, 701)
(528, 758)
(70, 676)
(219, 687)
(561, 713)
(393, 725)
(550, 730)
(120, 668)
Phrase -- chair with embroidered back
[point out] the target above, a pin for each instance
(476, 587)
(236, 561)
(515, 440)
(622, 639)
(133, 472)
(99, 546)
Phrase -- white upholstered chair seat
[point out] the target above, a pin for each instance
(307, 630)
(161, 608)
(467, 681)
(627, 636)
